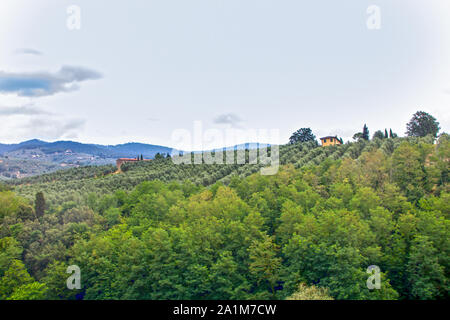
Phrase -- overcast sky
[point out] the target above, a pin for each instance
(137, 70)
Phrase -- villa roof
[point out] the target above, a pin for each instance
(328, 137)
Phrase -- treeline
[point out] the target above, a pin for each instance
(311, 230)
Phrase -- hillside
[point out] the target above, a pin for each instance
(17, 168)
(328, 214)
(35, 157)
(75, 184)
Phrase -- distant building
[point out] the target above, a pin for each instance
(330, 141)
(121, 161)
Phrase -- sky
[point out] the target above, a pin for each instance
(142, 70)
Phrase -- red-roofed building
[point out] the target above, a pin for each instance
(121, 161)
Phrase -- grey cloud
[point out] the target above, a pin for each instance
(228, 118)
(38, 84)
(22, 110)
(46, 128)
(28, 51)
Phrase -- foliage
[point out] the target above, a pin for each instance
(305, 292)
(422, 124)
(39, 204)
(302, 135)
(166, 231)
(365, 133)
(379, 134)
(392, 135)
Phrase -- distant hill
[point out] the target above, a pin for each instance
(130, 149)
(36, 157)
(121, 150)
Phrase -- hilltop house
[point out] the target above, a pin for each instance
(330, 141)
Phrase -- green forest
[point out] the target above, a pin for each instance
(159, 230)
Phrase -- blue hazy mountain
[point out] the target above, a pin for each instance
(131, 149)
(112, 151)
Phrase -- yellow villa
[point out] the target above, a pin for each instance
(330, 141)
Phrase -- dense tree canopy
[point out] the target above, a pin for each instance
(379, 134)
(313, 228)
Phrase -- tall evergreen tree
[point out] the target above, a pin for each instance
(392, 134)
(365, 133)
(39, 204)
(386, 134)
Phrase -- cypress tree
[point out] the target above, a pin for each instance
(39, 204)
(392, 134)
(365, 133)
